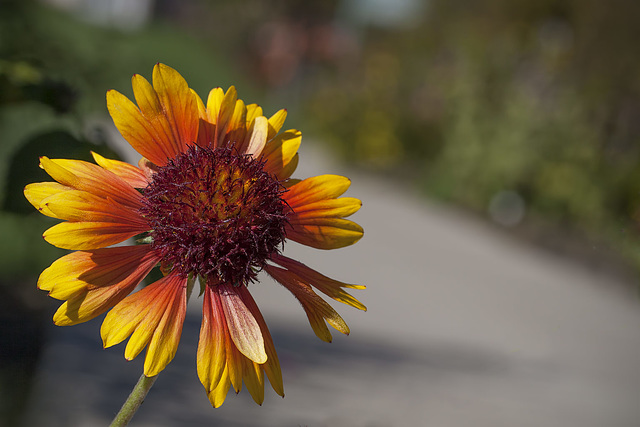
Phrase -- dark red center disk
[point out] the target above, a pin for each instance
(215, 213)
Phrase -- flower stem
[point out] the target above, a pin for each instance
(134, 401)
(139, 392)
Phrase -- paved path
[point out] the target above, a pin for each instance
(466, 327)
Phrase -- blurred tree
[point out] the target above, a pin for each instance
(475, 98)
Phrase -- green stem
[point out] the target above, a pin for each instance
(141, 389)
(134, 401)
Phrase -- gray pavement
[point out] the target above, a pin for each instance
(466, 327)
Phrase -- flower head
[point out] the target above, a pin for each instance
(211, 198)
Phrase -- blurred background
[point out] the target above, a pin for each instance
(496, 147)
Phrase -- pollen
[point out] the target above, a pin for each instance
(215, 213)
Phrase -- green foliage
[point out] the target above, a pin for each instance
(54, 73)
(541, 98)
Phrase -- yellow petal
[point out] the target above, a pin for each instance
(92, 302)
(275, 123)
(59, 173)
(206, 129)
(89, 235)
(336, 208)
(316, 308)
(219, 394)
(243, 327)
(179, 107)
(211, 355)
(214, 104)
(253, 378)
(235, 133)
(272, 366)
(210, 118)
(166, 337)
(93, 179)
(324, 233)
(167, 119)
(280, 151)
(128, 173)
(95, 281)
(258, 137)
(253, 111)
(75, 205)
(98, 268)
(136, 128)
(288, 169)
(315, 189)
(239, 117)
(324, 284)
(225, 113)
(37, 192)
(152, 316)
(202, 110)
(234, 364)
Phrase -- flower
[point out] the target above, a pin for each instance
(211, 198)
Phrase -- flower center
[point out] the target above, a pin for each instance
(215, 213)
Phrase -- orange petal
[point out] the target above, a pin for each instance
(272, 366)
(152, 316)
(128, 173)
(223, 122)
(317, 188)
(211, 356)
(316, 308)
(95, 281)
(165, 340)
(206, 129)
(102, 267)
(324, 284)
(324, 233)
(220, 363)
(179, 105)
(137, 129)
(167, 117)
(243, 327)
(89, 235)
(75, 205)
(93, 179)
